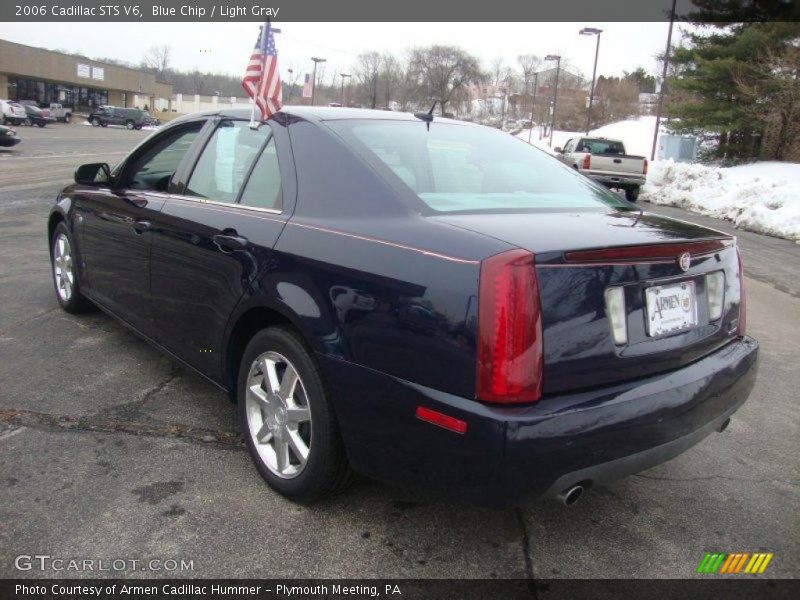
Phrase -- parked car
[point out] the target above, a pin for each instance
(606, 162)
(150, 121)
(423, 301)
(8, 137)
(37, 116)
(131, 118)
(61, 113)
(13, 112)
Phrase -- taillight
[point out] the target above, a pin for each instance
(644, 170)
(587, 161)
(742, 304)
(510, 356)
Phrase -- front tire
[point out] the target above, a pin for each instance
(129, 125)
(95, 122)
(41, 124)
(67, 118)
(287, 419)
(65, 273)
(632, 193)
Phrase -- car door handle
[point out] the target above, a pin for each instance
(231, 242)
(139, 227)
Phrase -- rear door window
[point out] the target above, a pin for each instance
(263, 188)
(222, 167)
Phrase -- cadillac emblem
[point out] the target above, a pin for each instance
(684, 261)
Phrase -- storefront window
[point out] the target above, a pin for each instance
(45, 93)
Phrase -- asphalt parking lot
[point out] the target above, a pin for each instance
(110, 450)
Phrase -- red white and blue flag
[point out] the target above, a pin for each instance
(262, 80)
(307, 87)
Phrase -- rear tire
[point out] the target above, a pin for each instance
(65, 273)
(282, 422)
(632, 193)
(41, 124)
(67, 118)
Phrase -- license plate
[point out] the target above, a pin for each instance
(671, 308)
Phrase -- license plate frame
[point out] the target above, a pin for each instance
(670, 308)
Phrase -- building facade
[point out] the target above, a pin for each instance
(45, 76)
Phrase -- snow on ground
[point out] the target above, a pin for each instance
(636, 134)
(763, 197)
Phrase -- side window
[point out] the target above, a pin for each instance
(263, 188)
(153, 169)
(225, 161)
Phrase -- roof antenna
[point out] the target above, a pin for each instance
(427, 116)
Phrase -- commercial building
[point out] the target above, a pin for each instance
(45, 76)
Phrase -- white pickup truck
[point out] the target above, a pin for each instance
(60, 113)
(605, 161)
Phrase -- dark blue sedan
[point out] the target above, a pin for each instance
(427, 302)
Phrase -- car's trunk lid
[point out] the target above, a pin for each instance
(581, 254)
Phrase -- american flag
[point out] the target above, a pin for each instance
(262, 80)
(307, 87)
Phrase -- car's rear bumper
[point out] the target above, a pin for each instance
(7, 141)
(508, 454)
(614, 179)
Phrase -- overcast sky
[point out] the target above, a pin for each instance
(225, 47)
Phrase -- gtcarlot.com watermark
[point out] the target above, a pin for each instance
(45, 562)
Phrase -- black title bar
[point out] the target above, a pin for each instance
(398, 11)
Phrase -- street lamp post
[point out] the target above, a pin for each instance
(533, 103)
(597, 32)
(314, 79)
(663, 81)
(556, 58)
(343, 75)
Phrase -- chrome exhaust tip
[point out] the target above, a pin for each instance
(724, 425)
(571, 495)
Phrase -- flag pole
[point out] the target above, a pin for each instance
(252, 99)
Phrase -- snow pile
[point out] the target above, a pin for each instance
(762, 197)
(636, 134)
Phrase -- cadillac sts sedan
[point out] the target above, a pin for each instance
(419, 300)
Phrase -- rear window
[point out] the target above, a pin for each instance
(600, 147)
(456, 168)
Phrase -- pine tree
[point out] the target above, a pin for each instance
(711, 71)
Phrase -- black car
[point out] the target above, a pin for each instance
(424, 301)
(8, 137)
(37, 116)
(131, 118)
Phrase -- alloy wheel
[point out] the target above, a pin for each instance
(278, 415)
(63, 268)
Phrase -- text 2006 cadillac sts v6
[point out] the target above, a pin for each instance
(423, 301)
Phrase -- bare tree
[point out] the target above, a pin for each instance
(391, 76)
(367, 71)
(157, 59)
(443, 71)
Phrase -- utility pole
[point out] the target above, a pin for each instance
(533, 103)
(556, 58)
(343, 75)
(597, 32)
(663, 81)
(314, 78)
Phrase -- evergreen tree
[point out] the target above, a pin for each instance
(711, 71)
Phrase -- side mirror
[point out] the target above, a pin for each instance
(93, 174)
(558, 150)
